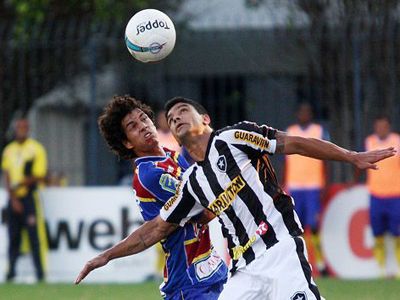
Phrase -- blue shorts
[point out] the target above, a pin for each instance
(384, 215)
(307, 206)
(198, 292)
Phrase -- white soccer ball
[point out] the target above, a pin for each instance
(150, 35)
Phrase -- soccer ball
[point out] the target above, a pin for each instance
(150, 35)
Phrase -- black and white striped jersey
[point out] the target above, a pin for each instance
(238, 184)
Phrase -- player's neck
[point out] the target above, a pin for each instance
(155, 151)
(196, 145)
(20, 140)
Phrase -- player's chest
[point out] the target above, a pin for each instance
(169, 166)
(20, 155)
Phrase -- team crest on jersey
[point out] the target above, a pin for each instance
(168, 183)
(221, 163)
(299, 296)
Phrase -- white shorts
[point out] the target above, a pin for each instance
(281, 273)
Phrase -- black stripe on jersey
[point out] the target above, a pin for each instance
(247, 194)
(251, 152)
(241, 233)
(282, 202)
(306, 266)
(197, 189)
(203, 200)
(183, 208)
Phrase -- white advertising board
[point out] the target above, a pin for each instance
(346, 237)
(83, 222)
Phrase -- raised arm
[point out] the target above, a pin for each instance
(324, 150)
(142, 238)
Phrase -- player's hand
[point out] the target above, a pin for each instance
(17, 206)
(92, 264)
(368, 160)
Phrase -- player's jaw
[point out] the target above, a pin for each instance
(141, 133)
(183, 119)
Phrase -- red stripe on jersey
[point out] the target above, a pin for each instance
(200, 246)
(170, 166)
(140, 189)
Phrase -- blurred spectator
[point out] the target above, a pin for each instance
(24, 163)
(384, 188)
(55, 178)
(306, 178)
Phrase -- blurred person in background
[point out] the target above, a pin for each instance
(192, 268)
(24, 165)
(305, 179)
(384, 188)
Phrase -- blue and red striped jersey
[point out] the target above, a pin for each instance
(189, 255)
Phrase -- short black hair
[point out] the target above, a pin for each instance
(197, 106)
(382, 116)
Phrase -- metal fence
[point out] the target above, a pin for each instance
(256, 74)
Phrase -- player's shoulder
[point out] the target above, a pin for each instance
(370, 138)
(192, 168)
(396, 136)
(292, 127)
(10, 147)
(243, 125)
(145, 179)
(146, 172)
(31, 142)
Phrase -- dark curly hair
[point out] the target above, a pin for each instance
(110, 123)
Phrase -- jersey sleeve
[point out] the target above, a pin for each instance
(183, 206)
(5, 161)
(153, 188)
(40, 162)
(252, 138)
(162, 185)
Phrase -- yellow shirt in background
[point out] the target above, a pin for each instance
(24, 159)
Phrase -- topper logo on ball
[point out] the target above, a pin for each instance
(142, 27)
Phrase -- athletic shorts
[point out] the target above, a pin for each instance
(198, 293)
(307, 206)
(384, 215)
(282, 272)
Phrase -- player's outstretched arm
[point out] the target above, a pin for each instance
(321, 149)
(142, 238)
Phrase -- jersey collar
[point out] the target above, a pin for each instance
(168, 153)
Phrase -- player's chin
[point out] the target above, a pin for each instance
(152, 142)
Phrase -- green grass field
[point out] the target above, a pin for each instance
(331, 289)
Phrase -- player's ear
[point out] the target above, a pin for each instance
(127, 144)
(206, 119)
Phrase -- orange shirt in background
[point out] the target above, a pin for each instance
(384, 182)
(304, 172)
